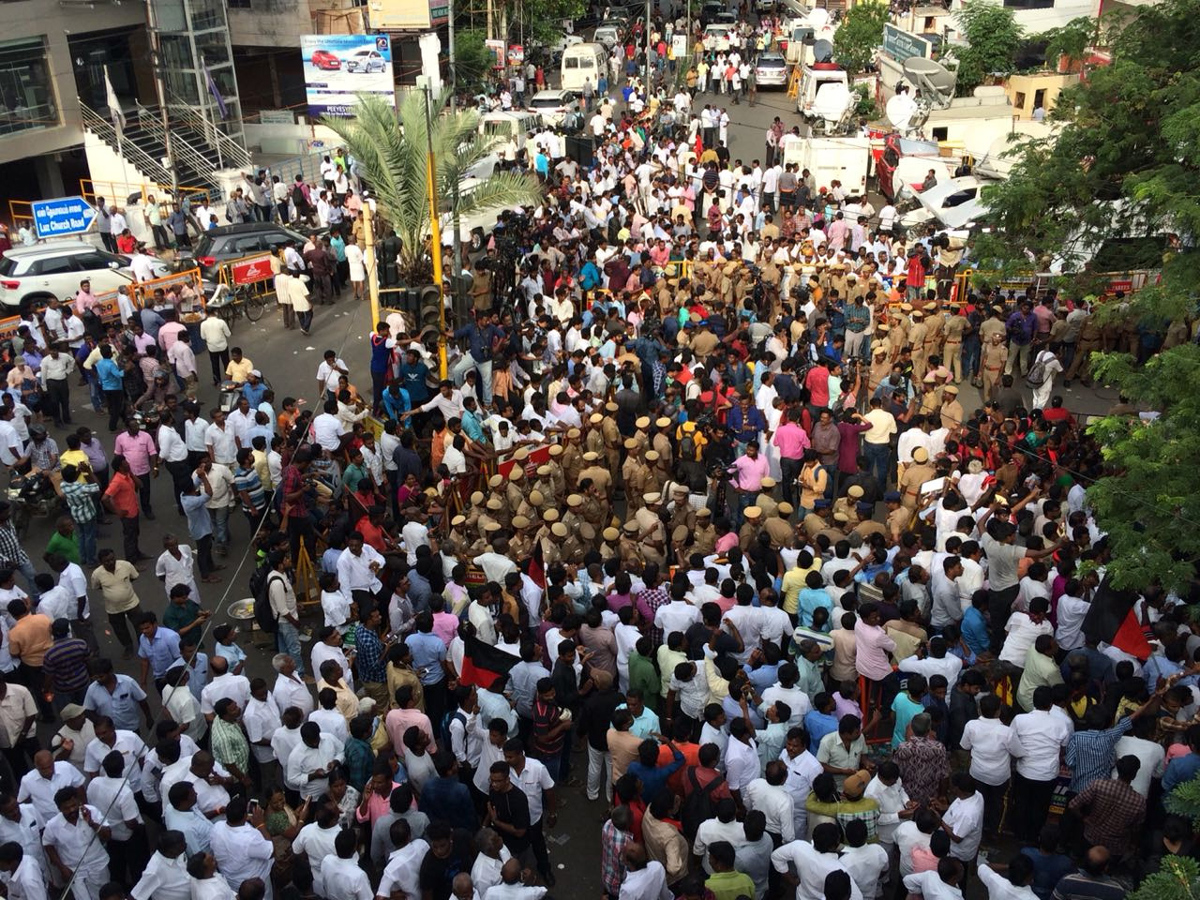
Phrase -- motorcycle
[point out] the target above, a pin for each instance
(31, 495)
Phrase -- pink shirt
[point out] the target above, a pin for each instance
(376, 807)
(137, 451)
(872, 646)
(399, 721)
(792, 441)
(445, 626)
(751, 472)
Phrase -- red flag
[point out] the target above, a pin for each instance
(483, 663)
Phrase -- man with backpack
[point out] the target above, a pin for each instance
(703, 787)
(275, 607)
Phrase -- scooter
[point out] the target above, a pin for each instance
(30, 496)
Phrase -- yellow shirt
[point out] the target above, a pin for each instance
(73, 458)
(793, 584)
(239, 371)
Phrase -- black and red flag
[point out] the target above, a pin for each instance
(483, 663)
(1113, 619)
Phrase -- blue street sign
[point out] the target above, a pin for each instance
(64, 216)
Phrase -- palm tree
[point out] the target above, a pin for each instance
(392, 159)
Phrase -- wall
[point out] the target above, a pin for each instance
(270, 23)
(56, 22)
(1039, 21)
(289, 140)
(1022, 89)
(107, 170)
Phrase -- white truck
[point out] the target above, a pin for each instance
(829, 159)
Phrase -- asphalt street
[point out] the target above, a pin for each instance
(289, 361)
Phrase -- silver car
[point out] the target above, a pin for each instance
(771, 70)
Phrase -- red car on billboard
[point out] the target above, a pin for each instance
(323, 59)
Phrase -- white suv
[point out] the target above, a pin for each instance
(55, 269)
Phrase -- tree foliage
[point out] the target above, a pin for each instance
(472, 60)
(1124, 164)
(860, 36)
(1177, 879)
(543, 19)
(993, 37)
(1071, 40)
(393, 162)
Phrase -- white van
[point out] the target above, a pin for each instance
(510, 129)
(583, 62)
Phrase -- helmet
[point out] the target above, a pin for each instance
(37, 431)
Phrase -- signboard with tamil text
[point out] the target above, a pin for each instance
(901, 45)
(62, 217)
(252, 271)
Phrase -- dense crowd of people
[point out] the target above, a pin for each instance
(697, 525)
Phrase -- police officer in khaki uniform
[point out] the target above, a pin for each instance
(594, 510)
(916, 338)
(612, 436)
(520, 545)
(515, 489)
(571, 518)
(898, 516)
(846, 505)
(866, 525)
(641, 434)
(599, 474)
(935, 330)
(558, 476)
(544, 481)
(634, 475)
(837, 531)
(931, 400)
(993, 358)
(656, 473)
(914, 476)
(748, 534)
(704, 538)
(552, 545)
(1091, 337)
(766, 498)
(682, 513)
(661, 441)
(650, 529)
(593, 438)
(570, 547)
(571, 458)
(474, 511)
(818, 519)
(630, 549)
(779, 526)
(610, 544)
(952, 410)
(955, 330)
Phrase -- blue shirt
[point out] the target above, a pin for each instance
(974, 630)
(414, 376)
(231, 653)
(449, 799)
(905, 709)
(110, 375)
(122, 705)
(809, 600)
(428, 652)
(1179, 770)
(479, 340)
(396, 403)
(198, 516)
(473, 427)
(818, 725)
(763, 677)
(655, 779)
(254, 393)
(646, 724)
(161, 650)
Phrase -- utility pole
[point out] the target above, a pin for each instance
(491, 21)
(455, 240)
(435, 233)
(646, 86)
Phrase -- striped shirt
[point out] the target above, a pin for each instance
(66, 664)
(1090, 754)
(246, 481)
(229, 744)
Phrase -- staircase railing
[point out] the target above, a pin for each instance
(104, 129)
(233, 154)
(183, 152)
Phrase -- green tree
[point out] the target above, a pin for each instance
(1124, 164)
(472, 60)
(393, 162)
(1071, 40)
(993, 38)
(860, 36)
(1177, 879)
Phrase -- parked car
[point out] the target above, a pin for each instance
(609, 33)
(54, 269)
(553, 106)
(219, 245)
(325, 60)
(771, 70)
(366, 61)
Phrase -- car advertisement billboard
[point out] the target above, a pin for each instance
(339, 67)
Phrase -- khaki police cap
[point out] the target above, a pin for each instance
(753, 512)
(611, 534)
(558, 529)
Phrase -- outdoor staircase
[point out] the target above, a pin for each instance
(197, 148)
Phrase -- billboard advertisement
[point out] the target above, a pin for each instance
(407, 15)
(338, 67)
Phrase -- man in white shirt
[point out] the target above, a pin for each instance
(741, 758)
(992, 746)
(1016, 886)
(812, 862)
(290, 689)
(222, 684)
(676, 615)
(769, 796)
(963, 821)
(645, 879)
(866, 863)
(1071, 612)
(341, 877)
(316, 839)
(165, 876)
(1140, 742)
(358, 564)
(327, 427)
(934, 662)
(403, 870)
(24, 877)
(72, 848)
(46, 778)
(308, 765)
(286, 739)
(940, 885)
(1042, 737)
(1023, 629)
(242, 849)
(802, 769)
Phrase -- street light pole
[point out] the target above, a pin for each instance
(435, 233)
(646, 86)
(456, 238)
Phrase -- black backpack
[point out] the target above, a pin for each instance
(263, 614)
(698, 807)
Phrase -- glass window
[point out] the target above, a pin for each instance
(571, 62)
(87, 262)
(207, 14)
(26, 94)
(58, 266)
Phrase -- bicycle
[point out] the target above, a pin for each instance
(242, 302)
